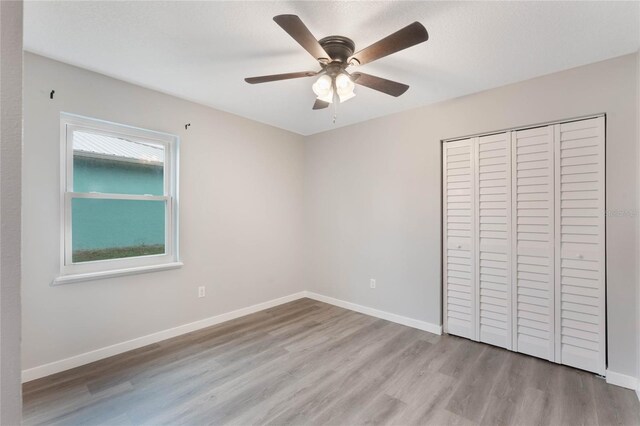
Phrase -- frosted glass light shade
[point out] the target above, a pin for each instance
(323, 86)
(344, 83)
(345, 87)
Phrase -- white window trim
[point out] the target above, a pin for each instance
(70, 272)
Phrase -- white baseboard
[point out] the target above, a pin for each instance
(98, 354)
(409, 322)
(622, 380)
(118, 348)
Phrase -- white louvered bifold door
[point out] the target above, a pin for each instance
(493, 198)
(533, 242)
(458, 238)
(580, 256)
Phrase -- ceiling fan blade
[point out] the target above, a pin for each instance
(276, 77)
(300, 33)
(380, 84)
(408, 36)
(320, 104)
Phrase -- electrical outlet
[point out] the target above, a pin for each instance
(201, 291)
(372, 283)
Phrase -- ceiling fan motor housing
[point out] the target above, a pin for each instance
(338, 47)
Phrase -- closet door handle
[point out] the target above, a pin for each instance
(458, 246)
(580, 256)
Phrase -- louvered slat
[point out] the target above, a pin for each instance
(580, 206)
(458, 238)
(533, 242)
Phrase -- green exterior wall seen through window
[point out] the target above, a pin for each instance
(117, 224)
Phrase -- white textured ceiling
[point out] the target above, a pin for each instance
(201, 51)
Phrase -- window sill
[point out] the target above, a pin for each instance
(90, 276)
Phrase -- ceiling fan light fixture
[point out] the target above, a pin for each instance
(345, 87)
(344, 83)
(323, 86)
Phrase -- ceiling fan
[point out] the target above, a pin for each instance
(335, 55)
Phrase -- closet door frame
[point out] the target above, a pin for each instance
(603, 245)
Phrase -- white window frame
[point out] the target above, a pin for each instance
(74, 272)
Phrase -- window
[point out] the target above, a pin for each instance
(119, 199)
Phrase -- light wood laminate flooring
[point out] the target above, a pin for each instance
(307, 362)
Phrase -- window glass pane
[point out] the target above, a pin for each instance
(112, 229)
(118, 166)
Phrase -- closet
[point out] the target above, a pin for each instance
(524, 241)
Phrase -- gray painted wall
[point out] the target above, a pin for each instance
(10, 151)
(241, 189)
(373, 192)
